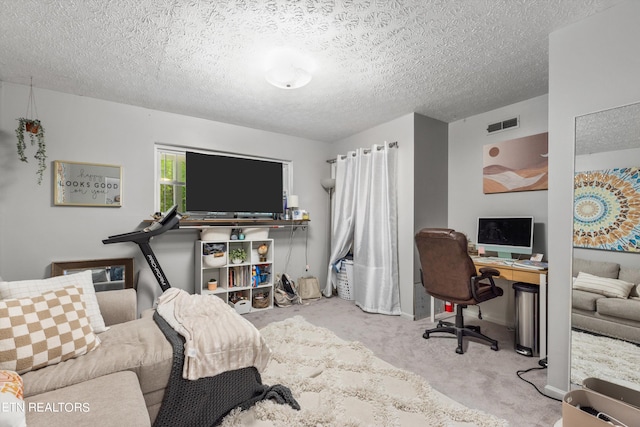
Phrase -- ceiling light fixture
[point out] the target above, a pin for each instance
(288, 69)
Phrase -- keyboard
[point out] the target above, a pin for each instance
(494, 260)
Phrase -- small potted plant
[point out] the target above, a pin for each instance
(238, 255)
(212, 284)
(34, 128)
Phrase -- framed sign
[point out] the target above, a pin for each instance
(87, 184)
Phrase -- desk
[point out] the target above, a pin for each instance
(519, 274)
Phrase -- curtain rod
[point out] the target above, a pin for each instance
(367, 151)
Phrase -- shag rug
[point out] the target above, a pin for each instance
(603, 357)
(342, 384)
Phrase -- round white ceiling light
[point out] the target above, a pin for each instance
(287, 68)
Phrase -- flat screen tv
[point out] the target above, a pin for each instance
(240, 186)
(506, 235)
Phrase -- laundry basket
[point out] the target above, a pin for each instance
(345, 280)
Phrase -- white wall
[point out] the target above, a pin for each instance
(593, 65)
(400, 130)
(466, 199)
(33, 232)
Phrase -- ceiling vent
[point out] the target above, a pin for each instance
(504, 125)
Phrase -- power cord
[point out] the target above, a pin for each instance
(543, 365)
(286, 264)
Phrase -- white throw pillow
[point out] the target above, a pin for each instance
(614, 288)
(32, 288)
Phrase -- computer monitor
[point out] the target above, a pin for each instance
(506, 235)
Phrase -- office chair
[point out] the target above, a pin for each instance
(448, 273)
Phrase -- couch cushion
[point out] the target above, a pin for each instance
(631, 275)
(44, 330)
(613, 288)
(137, 346)
(621, 308)
(597, 268)
(113, 400)
(31, 288)
(584, 300)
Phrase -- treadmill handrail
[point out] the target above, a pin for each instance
(168, 222)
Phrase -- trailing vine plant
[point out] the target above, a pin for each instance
(36, 134)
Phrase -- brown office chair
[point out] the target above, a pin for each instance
(448, 273)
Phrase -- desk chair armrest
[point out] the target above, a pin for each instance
(485, 273)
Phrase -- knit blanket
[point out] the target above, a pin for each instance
(217, 338)
(206, 401)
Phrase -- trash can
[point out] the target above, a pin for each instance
(527, 312)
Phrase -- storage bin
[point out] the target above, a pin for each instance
(630, 396)
(213, 261)
(218, 234)
(586, 408)
(242, 307)
(261, 299)
(255, 233)
(345, 280)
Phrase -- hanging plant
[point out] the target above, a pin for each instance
(36, 134)
(34, 129)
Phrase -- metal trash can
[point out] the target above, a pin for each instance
(527, 324)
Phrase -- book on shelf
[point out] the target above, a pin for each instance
(535, 265)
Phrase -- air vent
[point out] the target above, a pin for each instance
(504, 125)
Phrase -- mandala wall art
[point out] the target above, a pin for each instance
(607, 209)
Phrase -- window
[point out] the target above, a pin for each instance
(171, 178)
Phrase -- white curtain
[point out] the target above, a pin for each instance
(365, 220)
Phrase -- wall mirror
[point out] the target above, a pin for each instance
(107, 274)
(604, 141)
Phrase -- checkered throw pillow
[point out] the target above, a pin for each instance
(32, 288)
(44, 330)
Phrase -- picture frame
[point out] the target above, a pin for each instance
(107, 274)
(87, 184)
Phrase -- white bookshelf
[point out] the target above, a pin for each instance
(247, 280)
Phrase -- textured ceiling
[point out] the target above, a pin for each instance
(376, 60)
(609, 130)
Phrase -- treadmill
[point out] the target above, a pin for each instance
(170, 221)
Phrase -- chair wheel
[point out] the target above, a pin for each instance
(425, 335)
(459, 350)
(494, 347)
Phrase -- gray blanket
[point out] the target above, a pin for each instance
(206, 401)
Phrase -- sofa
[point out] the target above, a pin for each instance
(84, 358)
(73, 356)
(605, 299)
(120, 382)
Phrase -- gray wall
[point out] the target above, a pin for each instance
(33, 232)
(430, 191)
(594, 65)
(466, 199)
(430, 163)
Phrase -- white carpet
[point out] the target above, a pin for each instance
(342, 384)
(604, 358)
